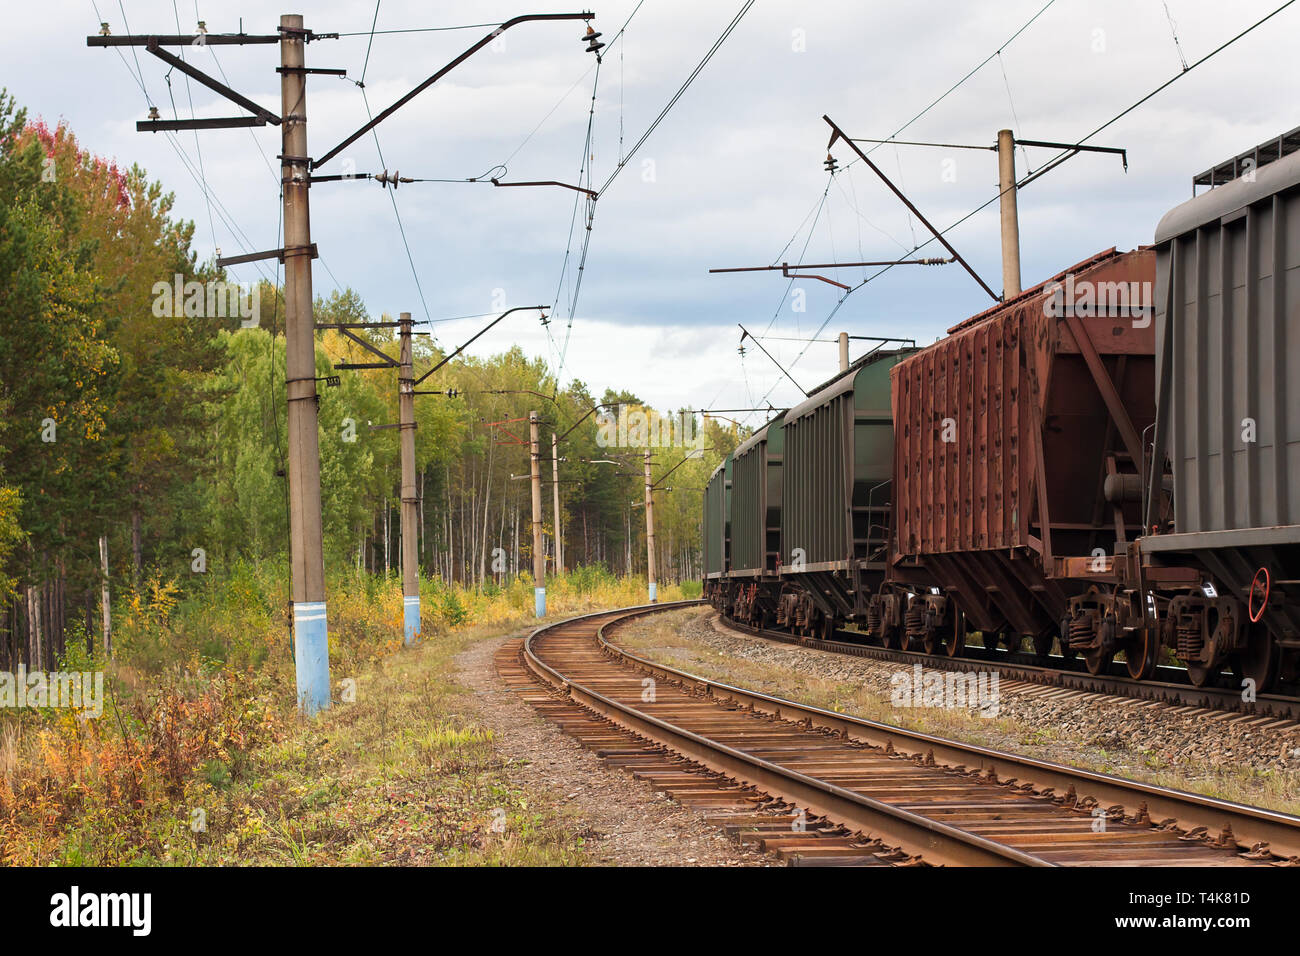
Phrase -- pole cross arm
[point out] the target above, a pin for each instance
(838, 265)
(590, 412)
(176, 126)
(389, 361)
(212, 83)
(1078, 147)
(1073, 150)
(518, 308)
(514, 21)
(281, 254)
(693, 455)
(183, 39)
(549, 182)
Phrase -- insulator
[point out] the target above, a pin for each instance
(830, 164)
(153, 113)
(104, 31)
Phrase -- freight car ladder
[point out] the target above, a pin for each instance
(876, 517)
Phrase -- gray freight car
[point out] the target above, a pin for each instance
(1227, 316)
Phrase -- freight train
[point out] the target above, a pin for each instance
(1107, 465)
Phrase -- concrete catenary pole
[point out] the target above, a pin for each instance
(555, 481)
(844, 351)
(1010, 218)
(650, 531)
(311, 636)
(539, 556)
(410, 500)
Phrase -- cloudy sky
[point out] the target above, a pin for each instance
(733, 176)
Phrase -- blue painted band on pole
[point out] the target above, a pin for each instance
(312, 656)
(411, 618)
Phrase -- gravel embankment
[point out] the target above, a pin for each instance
(1216, 755)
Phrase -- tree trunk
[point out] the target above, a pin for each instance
(137, 548)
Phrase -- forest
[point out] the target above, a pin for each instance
(142, 443)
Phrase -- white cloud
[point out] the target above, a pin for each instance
(737, 163)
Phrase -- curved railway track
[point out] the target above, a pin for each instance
(820, 787)
(1266, 711)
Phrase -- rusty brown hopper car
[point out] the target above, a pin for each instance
(1006, 433)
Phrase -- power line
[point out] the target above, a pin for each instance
(189, 95)
(944, 95)
(931, 105)
(803, 252)
(1065, 154)
(585, 166)
(392, 195)
(369, 44)
(1173, 29)
(1060, 158)
(231, 224)
(678, 95)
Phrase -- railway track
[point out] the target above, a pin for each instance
(819, 787)
(1274, 712)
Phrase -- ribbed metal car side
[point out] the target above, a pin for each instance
(838, 461)
(1228, 378)
(715, 523)
(756, 500)
(1228, 337)
(1007, 430)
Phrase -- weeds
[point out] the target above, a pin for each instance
(199, 757)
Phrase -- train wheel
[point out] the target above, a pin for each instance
(1258, 662)
(956, 645)
(889, 637)
(1198, 673)
(1098, 661)
(931, 642)
(1142, 654)
(827, 628)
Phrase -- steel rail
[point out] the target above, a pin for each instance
(932, 840)
(1250, 825)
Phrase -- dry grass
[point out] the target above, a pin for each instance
(199, 758)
